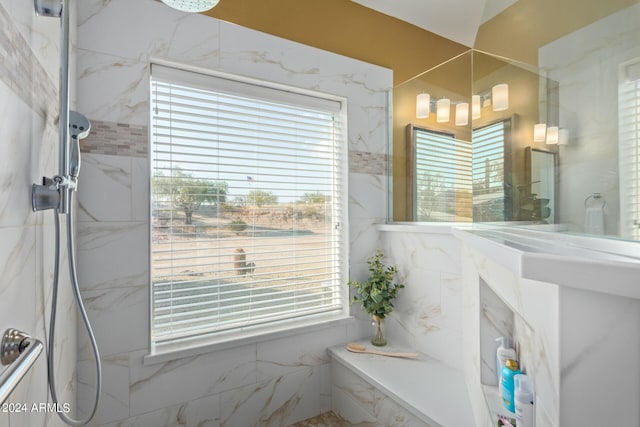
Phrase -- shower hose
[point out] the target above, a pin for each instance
(83, 313)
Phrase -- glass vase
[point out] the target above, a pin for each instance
(377, 336)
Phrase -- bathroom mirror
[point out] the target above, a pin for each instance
(573, 70)
(539, 193)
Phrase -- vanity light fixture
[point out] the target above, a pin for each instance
(563, 136)
(442, 110)
(552, 135)
(500, 97)
(475, 107)
(539, 132)
(191, 5)
(462, 114)
(423, 106)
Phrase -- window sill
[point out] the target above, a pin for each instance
(201, 345)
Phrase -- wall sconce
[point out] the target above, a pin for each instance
(500, 97)
(423, 106)
(563, 137)
(442, 107)
(442, 110)
(552, 135)
(539, 132)
(462, 114)
(475, 107)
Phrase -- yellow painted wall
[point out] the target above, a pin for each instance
(346, 28)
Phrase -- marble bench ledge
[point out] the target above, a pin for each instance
(431, 391)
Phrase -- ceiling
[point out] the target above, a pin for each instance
(457, 20)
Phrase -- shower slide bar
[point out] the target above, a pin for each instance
(20, 352)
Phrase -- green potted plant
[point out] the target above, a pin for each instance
(377, 293)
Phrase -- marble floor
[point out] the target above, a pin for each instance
(328, 419)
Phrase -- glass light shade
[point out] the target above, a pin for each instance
(442, 110)
(462, 114)
(539, 132)
(191, 5)
(475, 107)
(563, 136)
(552, 135)
(500, 97)
(423, 102)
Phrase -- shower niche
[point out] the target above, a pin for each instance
(497, 320)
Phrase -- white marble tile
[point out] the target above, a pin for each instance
(42, 34)
(247, 51)
(114, 396)
(349, 410)
(325, 387)
(113, 88)
(163, 384)
(389, 413)
(168, 34)
(15, 159)
(346, 383)
(113, 255)
(363, 240)
(429, 251)
(104, 192)
(365, 199)
(278, 402)
(17, 279)
(371, 111)
(286, 355)
(204, 412)
(125, 310)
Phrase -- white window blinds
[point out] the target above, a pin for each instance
(442, 168)
(247, 202)
(488, 172)
(629, 149)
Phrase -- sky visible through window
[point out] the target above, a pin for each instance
(250, 142)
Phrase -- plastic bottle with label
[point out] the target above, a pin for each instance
(508, 372)
(524, 401)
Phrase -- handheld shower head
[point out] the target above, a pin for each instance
(79, 128)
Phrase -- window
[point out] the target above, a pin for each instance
(629, 148)
(248, 199)
(441, 167)
(491, 201)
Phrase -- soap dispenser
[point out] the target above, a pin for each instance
(504, 353)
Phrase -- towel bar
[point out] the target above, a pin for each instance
(19, 351)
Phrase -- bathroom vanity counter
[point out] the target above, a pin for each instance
(434, 393)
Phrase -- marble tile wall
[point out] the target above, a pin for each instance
(361, 404)
(586, 64)
(272, 383)
(29, 64)
(428, 311)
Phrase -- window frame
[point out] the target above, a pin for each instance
(213, 341)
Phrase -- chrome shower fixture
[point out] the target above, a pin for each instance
(79, 128)
(191, 5)
(51, 193)
(50, 8)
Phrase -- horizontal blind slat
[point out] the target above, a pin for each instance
(253, 146)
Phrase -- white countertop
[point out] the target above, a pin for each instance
(429, 389)
(604, 265)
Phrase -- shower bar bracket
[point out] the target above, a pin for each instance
(19, 351)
